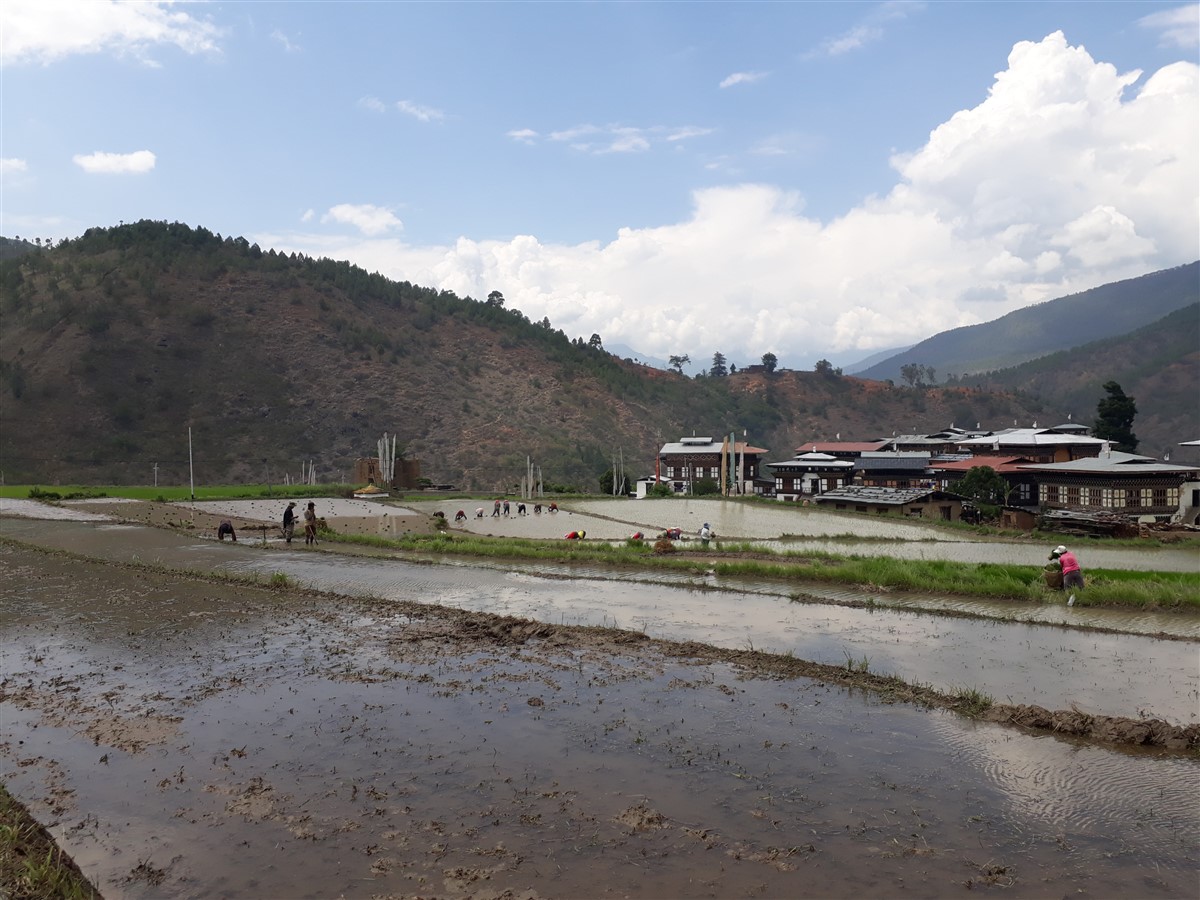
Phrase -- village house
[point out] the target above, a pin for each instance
(938, 443)
(1038, 445)
(1136, 486)
(1023, 489)
(808, 474)
(893, 469)
(927, 503)
(841, 449)
(735, 467)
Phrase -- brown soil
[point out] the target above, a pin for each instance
(297, 743)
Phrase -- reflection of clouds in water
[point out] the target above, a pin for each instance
(1082, 792)
(32, 509)
(1014, 662)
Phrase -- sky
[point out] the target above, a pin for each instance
(814, 180)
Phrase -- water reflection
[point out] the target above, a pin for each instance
(1020, 662)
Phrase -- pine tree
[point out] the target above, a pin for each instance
(1114, 418)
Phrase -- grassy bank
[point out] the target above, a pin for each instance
(32, 866)
(1109, 588)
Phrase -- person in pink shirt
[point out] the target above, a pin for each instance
(1072, 574)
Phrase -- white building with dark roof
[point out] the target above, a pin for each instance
(1043, 445)
(808, 474)
(735, 466)
(1125, 483)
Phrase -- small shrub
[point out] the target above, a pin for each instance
(279, 581)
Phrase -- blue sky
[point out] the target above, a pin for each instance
(810, 179)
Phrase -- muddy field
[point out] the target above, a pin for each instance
(188, 737)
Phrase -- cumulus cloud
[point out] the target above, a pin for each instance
(420, 113)
(1179, 27)
(100, 163)
(370, 220)
(13, 166)
(523, 135)
(45, 31)
(1069, 174)
(742, 78)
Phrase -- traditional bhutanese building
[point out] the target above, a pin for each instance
(1125, 483)
(734, 466)
(808, 474)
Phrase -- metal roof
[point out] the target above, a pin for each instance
(679, 447)
(999, 464)
(1030, 437)
(814, 459)
(893, 462)
(839, 446)
(883, 495)
(1114, 463)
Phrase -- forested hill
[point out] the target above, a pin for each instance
(1159, 366)
(1108, 311)
(117, 342)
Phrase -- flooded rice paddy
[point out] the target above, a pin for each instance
(193, 738)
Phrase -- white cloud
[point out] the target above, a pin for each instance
(374, 104)
(1068, 175)
(869, 30)
(100, 163)
(309, 215)
(572, 134)
(626, 140)
(12, 166)
(523, 135)
(742, 78)
(370, 220)
(687, 132)
(1179, 27)
(44, 31)
(284, 41)
(421, 113)
(598, 140)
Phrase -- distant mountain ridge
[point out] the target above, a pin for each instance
(1158, 365)
(1103, 312)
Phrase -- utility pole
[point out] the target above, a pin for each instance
(156, 474)
(191, 468)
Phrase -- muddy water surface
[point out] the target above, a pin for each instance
(1012, 661)
(191, 739)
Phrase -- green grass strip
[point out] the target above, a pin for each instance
(992, 580)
